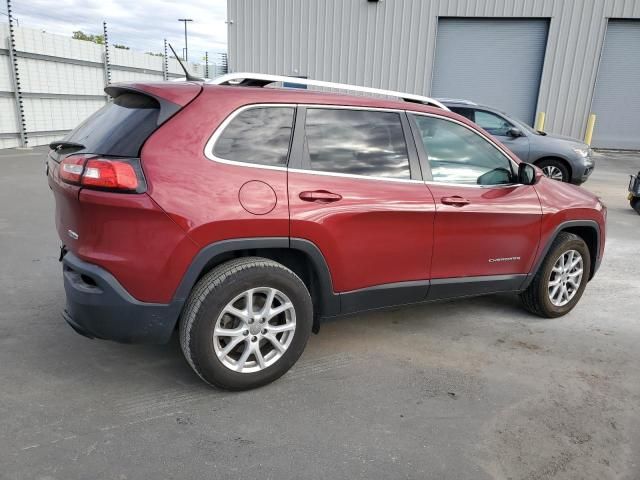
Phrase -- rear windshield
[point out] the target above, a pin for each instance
(120, 127)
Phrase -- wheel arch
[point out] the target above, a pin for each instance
(562, 160)
(301, 256)
(588, 230)
(590, 235)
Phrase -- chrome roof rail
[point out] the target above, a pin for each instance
(262, 79)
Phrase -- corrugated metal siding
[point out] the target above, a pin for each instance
(391, 43)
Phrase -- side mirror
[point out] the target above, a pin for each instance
(526, 174)
(514, 132)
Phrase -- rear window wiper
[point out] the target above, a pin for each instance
(63, 145)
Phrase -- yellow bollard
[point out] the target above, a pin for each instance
(591, 123)
(540, 122)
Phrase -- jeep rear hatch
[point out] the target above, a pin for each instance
(121, 127)
(103, 214)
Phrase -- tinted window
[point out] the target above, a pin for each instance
(465, 112)
(357, 142)
(258, 135)
(492, 123)
(459, 155)
(120, 127)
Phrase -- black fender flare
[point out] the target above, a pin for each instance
(559, 228)
(329, 302)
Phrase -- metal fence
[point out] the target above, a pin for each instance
(50, 83)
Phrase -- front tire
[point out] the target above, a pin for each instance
(561, 279)
(635, 204)
(554, 169)
(246, 323)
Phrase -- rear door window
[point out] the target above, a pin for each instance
(120, 127)
(465, 112)
(259, 135)
(356, 142)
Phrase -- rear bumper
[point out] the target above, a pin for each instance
(99, 307)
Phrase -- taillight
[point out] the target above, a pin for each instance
(110, 174)
(71, 169)
(116, 174)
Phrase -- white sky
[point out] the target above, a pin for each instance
(139, 24)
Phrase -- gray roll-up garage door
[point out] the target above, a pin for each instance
(616, 100)
(496, 62)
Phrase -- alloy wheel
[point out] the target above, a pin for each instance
(254, 330)
(553, 172)
(565, 278)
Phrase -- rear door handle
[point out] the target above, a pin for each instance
(455, 201)
(320, 196)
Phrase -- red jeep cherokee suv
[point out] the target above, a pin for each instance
(242, 215)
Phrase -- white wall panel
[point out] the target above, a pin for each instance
(36, 41)
(37, 139)
(129, 58)
(174, 66)
(8, 118)
(57, 114)
(127, 76)
(5, 74)
(9, 142)
(42, 76)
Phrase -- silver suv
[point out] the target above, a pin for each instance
(560, 158)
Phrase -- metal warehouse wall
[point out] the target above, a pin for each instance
(391, 43)
(62, 82)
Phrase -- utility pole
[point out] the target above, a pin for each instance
(186, 51)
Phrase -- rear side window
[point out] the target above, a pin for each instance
(465, 112)
(357, 142)
(258, 135)
(120, 127)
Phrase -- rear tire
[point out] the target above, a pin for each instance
(635, 204)
(557, 288)
(554, 169)
(246, 323)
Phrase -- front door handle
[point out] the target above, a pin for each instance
(320, 196)
(455, 201)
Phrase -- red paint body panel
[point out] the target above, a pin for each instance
(199, 194)
(563, 202)
(179, 93)
(126, 234)
(497, 223)
(379, 232)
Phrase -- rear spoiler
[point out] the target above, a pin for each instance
(171, 97)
